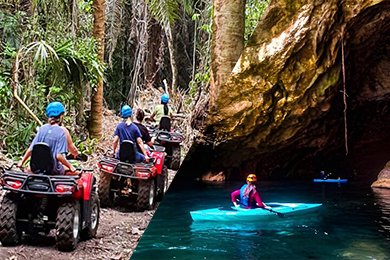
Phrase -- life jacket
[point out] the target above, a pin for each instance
(245, 201)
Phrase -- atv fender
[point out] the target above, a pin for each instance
(159, 161)
(87, 182)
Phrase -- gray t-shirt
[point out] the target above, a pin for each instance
(55, 137)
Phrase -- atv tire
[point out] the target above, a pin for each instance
(104, 190)
(91, 230)
(9, 233)
(175, 160)
(162, 184)
(146, 194)
(68, 224)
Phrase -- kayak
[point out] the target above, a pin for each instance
(331, 180)
(258, 214)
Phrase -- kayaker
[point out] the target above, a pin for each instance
(248, 196)
(324, 176)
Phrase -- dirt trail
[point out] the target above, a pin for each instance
(117, 237)
(118, 234)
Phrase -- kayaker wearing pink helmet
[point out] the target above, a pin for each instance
(248, 196)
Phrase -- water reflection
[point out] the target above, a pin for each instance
(245, 239)
(245, 228)
(382, 200)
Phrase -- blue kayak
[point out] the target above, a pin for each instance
(240, 214)
(331, 180)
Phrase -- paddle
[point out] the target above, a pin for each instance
(275, 212)
(271, 210)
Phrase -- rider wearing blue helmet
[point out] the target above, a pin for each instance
(54, 135)
(53, 112)
(162, 111)
(127, 130)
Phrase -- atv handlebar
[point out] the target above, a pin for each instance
(5, 168)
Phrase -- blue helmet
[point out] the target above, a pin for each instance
(55, 109)
(126, 111)
(164, 98)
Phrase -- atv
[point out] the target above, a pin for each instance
(171, 141)
(139, 184)
(37, 202)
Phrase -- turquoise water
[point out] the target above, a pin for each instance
(353, 223)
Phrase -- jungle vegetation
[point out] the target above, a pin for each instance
(91, 54)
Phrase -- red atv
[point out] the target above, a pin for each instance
(141, 184)
(171, 141)
(37, 202)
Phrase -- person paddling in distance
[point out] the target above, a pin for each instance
(127, 130)
(57, 139)
(248, 196)
(324, 176)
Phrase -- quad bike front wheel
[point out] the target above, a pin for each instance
(175, 161)
(9, 233)
(68, 224)
(91, 230)
(162, 184)
(146, 194)
(104, 190)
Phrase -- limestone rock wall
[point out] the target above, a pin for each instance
(283, 103)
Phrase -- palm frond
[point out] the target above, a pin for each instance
(42, 53)
(164, 11)
(188, 6)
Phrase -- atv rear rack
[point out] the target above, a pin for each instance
(37, 183)
(115, 167)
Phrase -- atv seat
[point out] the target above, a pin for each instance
(127, 151)
(165, 124)
(41, 159)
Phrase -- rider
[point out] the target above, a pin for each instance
(139, 117)
(126, 130)
(54, 135)
(248, 195)
(72, 149)
(162, 111)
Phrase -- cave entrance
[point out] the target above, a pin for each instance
(367, 67)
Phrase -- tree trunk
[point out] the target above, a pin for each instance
(153, 46)
(74, 20)
(172, 55)
(95, 127)
(140, 34)
(227, 41)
